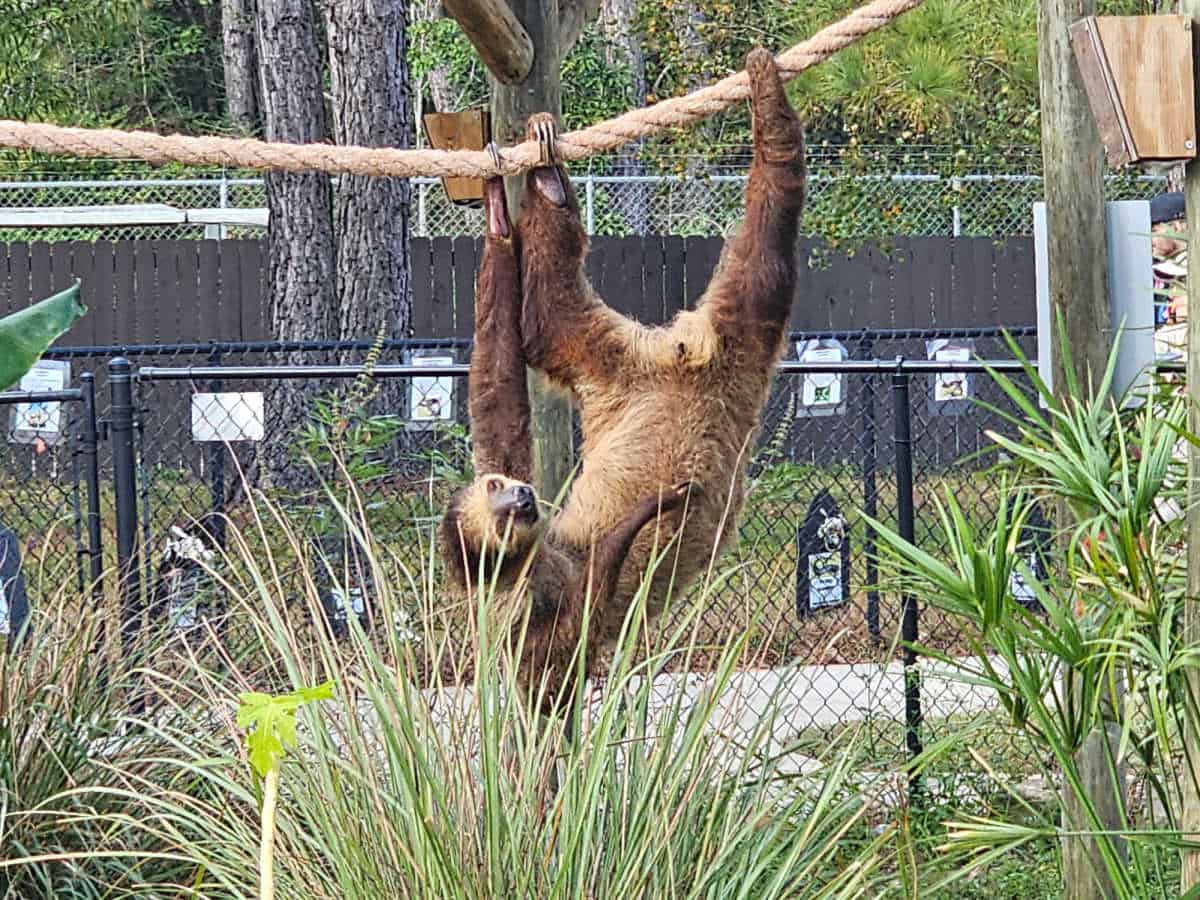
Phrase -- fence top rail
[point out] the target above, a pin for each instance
(281, 373)
(198, 347)
(897, 366)
(67, 395)
(440, 343)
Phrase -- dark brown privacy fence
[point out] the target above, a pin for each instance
(146, 292)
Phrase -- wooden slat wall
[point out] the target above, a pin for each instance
(175, 291)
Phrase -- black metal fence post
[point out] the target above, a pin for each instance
(870, 493)
(907, 528)
(217, 450)
(120, 374)
(89, 441)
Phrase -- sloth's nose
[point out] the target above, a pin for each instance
(524, 497)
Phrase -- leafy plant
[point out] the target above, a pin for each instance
(413, 787)
(342, 432)
(1103, 653)
(270, 726)
(25, 335)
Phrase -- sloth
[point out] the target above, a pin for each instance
(666, 411)
(493, 530)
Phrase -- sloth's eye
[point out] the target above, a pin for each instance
(494, 484)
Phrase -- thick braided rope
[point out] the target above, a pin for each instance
(626, 128)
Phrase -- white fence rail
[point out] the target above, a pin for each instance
(860, 205)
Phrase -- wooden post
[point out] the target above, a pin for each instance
(512, 105)
(499, 30)
(1190, 819)
(1072, 158)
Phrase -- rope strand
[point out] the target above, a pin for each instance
(244, 153)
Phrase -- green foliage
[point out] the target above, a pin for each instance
(342, 432)
(1109, 617)
(270, 723)
(594, 88)
(25, 335)
(153, 63)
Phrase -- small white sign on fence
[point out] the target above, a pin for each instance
(32, 423)
(430, 399)
(228, 416)
(822, 393)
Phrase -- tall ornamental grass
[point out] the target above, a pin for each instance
(405, 785)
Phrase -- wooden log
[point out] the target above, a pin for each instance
(497, 36)
(1078, 268)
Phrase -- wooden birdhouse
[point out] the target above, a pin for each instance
(1138, 74)
(467, 130)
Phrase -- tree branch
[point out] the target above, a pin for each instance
(572, 16)
(497, 36)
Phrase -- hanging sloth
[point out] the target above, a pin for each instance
(668, 413)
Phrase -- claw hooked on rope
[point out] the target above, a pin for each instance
(543, 129)
(494, 152)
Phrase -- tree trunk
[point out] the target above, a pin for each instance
(553, 453)
(368, 64)
(241, 63)
(1078, 270)
(617, 18)
(301, 273)
(441, 90)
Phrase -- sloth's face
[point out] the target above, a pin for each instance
(510, 500)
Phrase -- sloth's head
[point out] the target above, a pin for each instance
(493, 518)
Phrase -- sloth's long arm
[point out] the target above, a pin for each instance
(498, 398)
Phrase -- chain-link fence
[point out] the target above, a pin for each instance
(839, 205)
(50, 499)
(195, 423)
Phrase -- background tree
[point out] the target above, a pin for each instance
(368, 64)
(240, 55)
(301, 271)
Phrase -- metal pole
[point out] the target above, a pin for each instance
(591, 203)
(120, 375)
(956, 225)
(907, 527)
(89, 439)
(216, 450)
(422, 223)
(870, 495)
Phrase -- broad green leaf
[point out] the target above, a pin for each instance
(25, 335)
(270, 723)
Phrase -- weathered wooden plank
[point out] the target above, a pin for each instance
(19, 262)
(98, 292)
(466, 263)
(74, 261)
(145, 298)
(124, 296)
(191, 300)
(702, 256)
(252, 289)
(441, 313)
(653, 299)
(421, 273)
(214, 286)
(41, 279)
(674, 263)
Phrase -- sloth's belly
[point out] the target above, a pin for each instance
(654, 443)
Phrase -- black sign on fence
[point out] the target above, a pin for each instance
(823, 559)
(14, 603)
(1032, 551)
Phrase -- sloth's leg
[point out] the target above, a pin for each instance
(498, 398)
(750, 297)
(569, 332)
